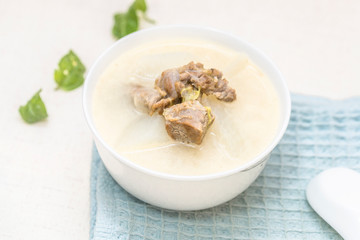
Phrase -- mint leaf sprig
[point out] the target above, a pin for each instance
(126, 23)
(34, 110)
(70, 74)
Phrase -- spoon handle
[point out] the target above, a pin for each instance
(335, 195)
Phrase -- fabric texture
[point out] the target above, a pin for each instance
(321, 134)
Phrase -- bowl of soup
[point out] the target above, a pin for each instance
(135, 146)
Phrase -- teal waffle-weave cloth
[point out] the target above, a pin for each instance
(321, 134)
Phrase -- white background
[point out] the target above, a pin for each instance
(45, 167)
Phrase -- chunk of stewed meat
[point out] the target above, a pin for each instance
(209, 81)
(145, 98)
(165, 84)
(188, 121)
(219, 87)
(169, 87)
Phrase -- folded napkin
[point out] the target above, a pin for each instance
(322, 134)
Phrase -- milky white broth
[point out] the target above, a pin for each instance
(241, 130)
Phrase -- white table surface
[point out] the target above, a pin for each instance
(45, 167)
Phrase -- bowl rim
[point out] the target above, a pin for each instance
(243, 167)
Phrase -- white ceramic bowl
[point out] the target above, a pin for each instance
(183, 192)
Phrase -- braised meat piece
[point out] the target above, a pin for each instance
(188, 121)
(144, 98)
(220, 88)
(165, 84)
(169, 87)
(210, 81)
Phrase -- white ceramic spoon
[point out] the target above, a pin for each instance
(335, 195)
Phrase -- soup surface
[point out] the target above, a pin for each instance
(242, 129)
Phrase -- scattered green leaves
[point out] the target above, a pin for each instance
(126, 23)
(70, 73)
(34, 110)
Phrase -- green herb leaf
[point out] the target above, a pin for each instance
(34, 110)
(126, 23)
(189, 94)
(70, 73)
(146, 18)
(140, 5)
(211, 117)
